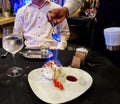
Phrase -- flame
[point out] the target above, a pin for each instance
(55, 54)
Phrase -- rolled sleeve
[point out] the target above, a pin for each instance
(72, 5)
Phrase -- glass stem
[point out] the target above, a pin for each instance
(14, 61)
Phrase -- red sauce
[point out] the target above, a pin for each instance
(71, 78)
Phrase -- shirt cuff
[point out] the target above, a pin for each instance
(72, 5)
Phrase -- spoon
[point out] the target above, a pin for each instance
(26, 53)
(92, 65)
(55, 35)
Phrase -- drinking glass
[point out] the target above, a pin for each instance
(87, 12)
(12, 43)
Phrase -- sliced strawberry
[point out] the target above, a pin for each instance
(61, 86)
(58, 84)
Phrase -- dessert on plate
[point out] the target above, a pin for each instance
(52, 70)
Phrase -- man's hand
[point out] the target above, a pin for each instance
(57, 15)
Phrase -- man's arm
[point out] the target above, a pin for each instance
(59, 14)
(73, 5)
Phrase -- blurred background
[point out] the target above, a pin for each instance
(14, 5)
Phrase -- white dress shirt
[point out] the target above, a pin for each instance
(31, 20)
(72, 5)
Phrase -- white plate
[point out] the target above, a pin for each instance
(46, 91)
(32, 54)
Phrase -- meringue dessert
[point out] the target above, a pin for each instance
(52, 70)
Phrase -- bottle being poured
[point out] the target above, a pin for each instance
(55, 35)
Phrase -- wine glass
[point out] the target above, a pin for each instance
(87, 12)
(13, 42)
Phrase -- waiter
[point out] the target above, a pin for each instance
(107, 16)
